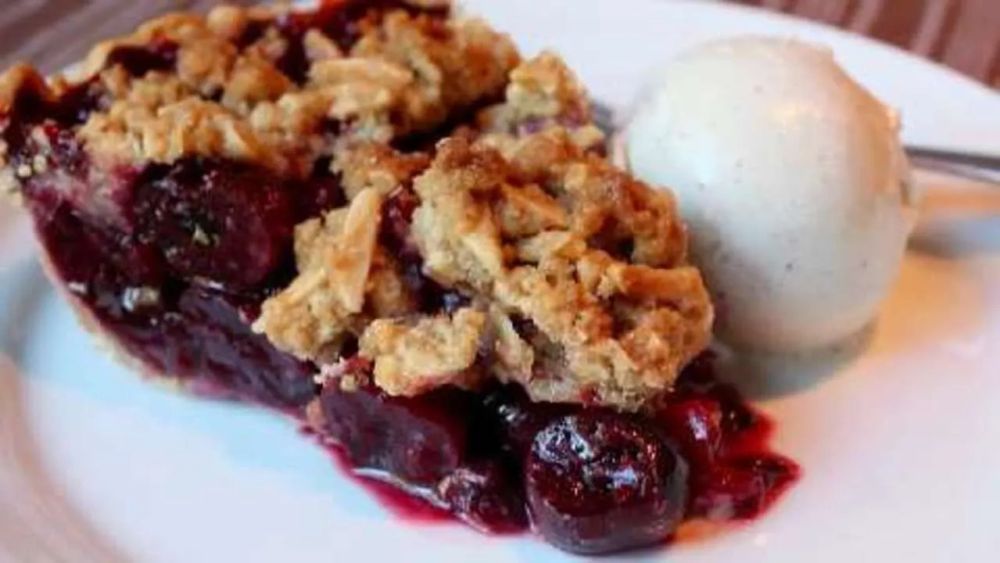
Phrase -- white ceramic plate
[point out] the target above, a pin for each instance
(899, 445)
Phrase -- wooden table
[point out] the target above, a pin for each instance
(964, 34)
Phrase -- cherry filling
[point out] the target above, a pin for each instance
(592, 480)
(600, 482)
(216, 223)
(160, 54)
(173, 262)
(734, 476)
(174, 285)
(418, 442)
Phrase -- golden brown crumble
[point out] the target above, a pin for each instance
(606, 298)
(543, 94)
(375, 165)
(405, 73)
(575, 272)
(335, 256)
(542, 88)
(567, 276)
(414, 357)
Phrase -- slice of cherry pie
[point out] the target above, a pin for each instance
(377, 218)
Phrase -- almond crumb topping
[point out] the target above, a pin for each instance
(508, 250)
(412, 358)
(222, 98)
(335, 257)
(579, 270)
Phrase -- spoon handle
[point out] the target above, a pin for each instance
(979, 167)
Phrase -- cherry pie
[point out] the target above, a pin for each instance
(376, 217)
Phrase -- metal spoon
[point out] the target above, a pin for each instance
(973, 166)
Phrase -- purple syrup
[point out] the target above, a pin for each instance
(681, 449)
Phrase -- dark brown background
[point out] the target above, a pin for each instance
(964, 34)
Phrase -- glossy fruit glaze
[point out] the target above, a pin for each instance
(589, 480)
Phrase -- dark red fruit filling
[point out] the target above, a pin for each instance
(437, 446)
(320, 192)
(419, 441)
(158, 55)
(518, 420)
(220, 224)
(742, 487)
(595, 481)
(214, 338)
(733, 475)
(173, 262)
(197, 333)
(397, 217)
(600, 482)
(487, 495)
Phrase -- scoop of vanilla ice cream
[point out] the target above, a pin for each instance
(793, 182)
